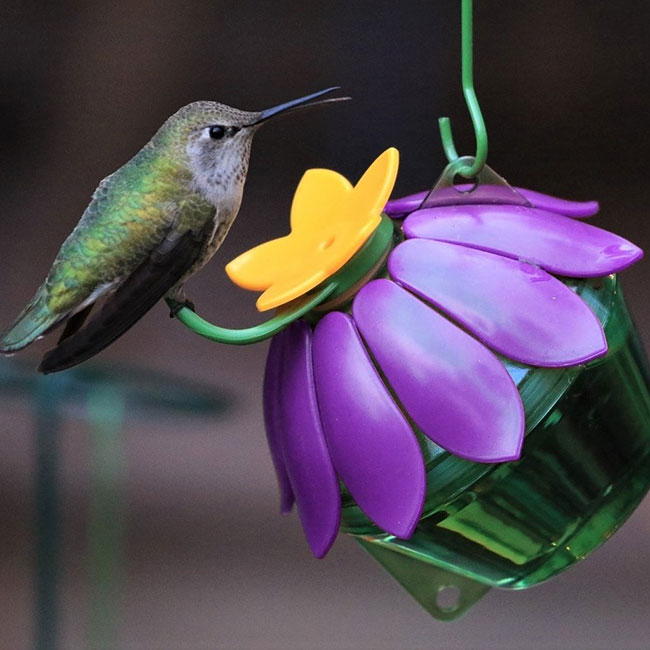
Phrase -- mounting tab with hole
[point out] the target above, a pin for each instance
(443, 594)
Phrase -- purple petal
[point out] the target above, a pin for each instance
(518, 309)
(560, 245)
(304, 450)
(373, 446)
(575, 209)
(454, 388)
(272, 391)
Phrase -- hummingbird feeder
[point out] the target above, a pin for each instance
(454, 378)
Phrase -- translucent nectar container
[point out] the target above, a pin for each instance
(585, 467)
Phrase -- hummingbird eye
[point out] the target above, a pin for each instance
(216, 131)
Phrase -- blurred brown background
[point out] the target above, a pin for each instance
(207, 560)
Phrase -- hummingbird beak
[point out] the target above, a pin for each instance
(301, 102)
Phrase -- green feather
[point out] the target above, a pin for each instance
(33, 321)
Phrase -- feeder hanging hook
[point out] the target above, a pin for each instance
(480, 132)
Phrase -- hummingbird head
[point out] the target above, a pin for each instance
(216, 140)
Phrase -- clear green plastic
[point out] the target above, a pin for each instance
(585, 467)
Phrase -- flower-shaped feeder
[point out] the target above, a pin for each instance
(418, 352)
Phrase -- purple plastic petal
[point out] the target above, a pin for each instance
(517, 309)
(454, 388)
(574, 209)
(560, 245)
(304, 450)
(372, 445)
(272, 391)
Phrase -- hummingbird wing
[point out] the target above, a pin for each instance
(149, 282)
(75, 322)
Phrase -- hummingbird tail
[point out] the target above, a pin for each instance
(36, 319)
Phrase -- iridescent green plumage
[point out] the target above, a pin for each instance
(149, 226)
(129, 215)
(154, 197)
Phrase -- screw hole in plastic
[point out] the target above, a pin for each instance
(464, 185)
(448, 598)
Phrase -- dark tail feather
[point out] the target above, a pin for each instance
(135, 297)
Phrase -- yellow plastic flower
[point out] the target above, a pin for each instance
(330, 222)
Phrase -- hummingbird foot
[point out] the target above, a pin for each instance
(176, 305)
(177, 300)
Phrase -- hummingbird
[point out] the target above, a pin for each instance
(149, 226)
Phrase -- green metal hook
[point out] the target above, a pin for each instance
(471, 100)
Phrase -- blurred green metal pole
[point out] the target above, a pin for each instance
(48, 396)
(105, 417)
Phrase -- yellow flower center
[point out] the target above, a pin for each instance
(330, 222)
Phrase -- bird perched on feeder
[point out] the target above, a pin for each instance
(149, 226)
